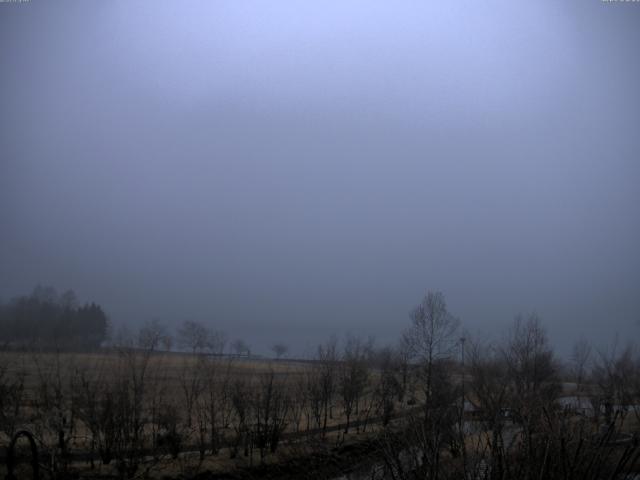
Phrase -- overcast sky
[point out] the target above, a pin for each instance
(286, 170)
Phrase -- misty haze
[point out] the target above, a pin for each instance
(333, 240)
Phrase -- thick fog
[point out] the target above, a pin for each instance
(287, 170)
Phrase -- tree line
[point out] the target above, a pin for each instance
(47, 319)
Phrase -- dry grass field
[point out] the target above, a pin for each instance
(135, 413)
(160, 412)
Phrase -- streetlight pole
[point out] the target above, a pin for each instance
(462, 420)
(462, 341)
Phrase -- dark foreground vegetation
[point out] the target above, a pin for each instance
(434, 406)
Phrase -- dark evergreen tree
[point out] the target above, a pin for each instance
(46, 319)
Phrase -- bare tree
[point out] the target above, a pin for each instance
(326, 375)
(531, 359)
(217, 342)
(153, 335)
(533, 377)
(402, 355)
(280, 349)
(217, 399)
(271, 403)
(616, 373)
(240, 396)
(194, 336)
(12, 393)
(431, 338)
(580, 357)
(192, 382)
(387, 388)
(54, 405)
(300, 400)
(353, 376)
(490, 388)
(136, 380)
(93, 395)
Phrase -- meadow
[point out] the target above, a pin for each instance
(500, 411)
